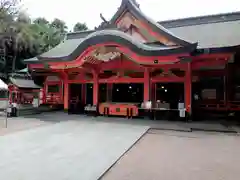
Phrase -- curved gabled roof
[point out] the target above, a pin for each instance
(24, 83)
(72, 48)
(132, 7)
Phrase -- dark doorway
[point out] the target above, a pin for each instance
(170, 93)
(208, 91)
(89, 93)
(102, 93)
(75, 91)
(132, 93)
(76, 105)
(214, 83)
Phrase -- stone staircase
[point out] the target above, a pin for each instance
(27, 110)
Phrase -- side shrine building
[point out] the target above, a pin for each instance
(132, 64)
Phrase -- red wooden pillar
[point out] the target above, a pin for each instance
(44, 91)
(188, 89)
(109, 92)
(10, 95)
(146, 96)
(95, 88)
(226, 85)
(83, 94)
(61, 89)
(66, 92)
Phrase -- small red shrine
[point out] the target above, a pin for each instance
(23, 91)
(150, 58)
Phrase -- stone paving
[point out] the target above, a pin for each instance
(69, 150)
(44, 146)
(19, 124)
(180, 155)
(216, 126)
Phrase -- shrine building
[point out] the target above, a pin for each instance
(131, 64)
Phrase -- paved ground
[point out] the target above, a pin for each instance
(217, 126)
(54, 117)
(72, 150)
(180, 155)
(60, 146)
(20, 124)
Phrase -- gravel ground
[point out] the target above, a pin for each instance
(181, 156)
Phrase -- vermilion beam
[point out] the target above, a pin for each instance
(167, 79)
(122, 80)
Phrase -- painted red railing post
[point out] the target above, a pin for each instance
(66, 91)
(44, 92)
(188, 89)
(95, 88)
(226, 85)
(146, 85)
(45, 89)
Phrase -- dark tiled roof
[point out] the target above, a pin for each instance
(25, 70)
(64, 49)
(78, 34)
(70, 43)
(24, 83)
(208, 19)
(30, 60)
(71, 48)
(213, 31)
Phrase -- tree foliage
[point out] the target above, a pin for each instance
(8, 7)
(22, 37)
(80, 27)
(41, 20)
(59, 25)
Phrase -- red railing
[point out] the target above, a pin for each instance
(220, 105)
(52, 98)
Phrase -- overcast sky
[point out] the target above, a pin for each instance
(88, 11)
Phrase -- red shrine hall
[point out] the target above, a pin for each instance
(131, 65)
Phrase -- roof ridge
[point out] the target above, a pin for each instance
(203, 19)
(133, 7)
(79, 32)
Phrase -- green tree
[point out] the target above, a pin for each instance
(9, 7)
(80, 27)
(25, 39)
(15, 31)
(40, 20)
(60, 25)
(22, 38)
(8, 11)
(47, 37)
